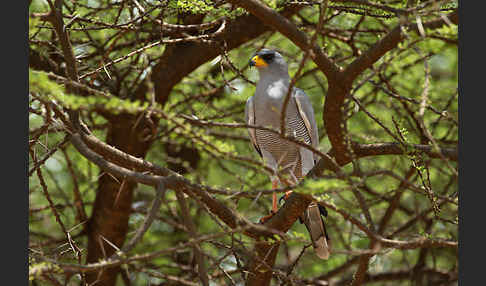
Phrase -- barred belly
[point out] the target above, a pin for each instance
(285, 153)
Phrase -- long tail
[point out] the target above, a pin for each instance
(317, 230)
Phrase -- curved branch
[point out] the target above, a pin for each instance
(265, 251)
(149, 218)
(260, 267)
(288, 29)
(186, 57)
(333, 114)
(387, 43)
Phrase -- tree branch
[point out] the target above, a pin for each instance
(387, 43)
(290, 30)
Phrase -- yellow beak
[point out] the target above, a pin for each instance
(258, 62)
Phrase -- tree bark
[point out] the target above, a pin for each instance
(265, 250)
(112, 206)
(111, 220)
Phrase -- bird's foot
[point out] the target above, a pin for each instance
(267, 217)
(285, 196)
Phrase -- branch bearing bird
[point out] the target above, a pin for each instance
(287, 159)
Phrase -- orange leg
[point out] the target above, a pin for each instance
(274, 196)
(274, 203)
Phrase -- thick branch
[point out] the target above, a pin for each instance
(333, 114)
(280, 223)
(181, 59)
(288, 29)
(387, 43)
(260, 267)
(99, 153)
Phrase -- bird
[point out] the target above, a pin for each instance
(288, 161)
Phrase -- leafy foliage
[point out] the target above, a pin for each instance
(408, 97)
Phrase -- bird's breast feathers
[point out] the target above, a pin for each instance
(272, 90)
(277, 90)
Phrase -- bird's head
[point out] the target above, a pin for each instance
(269, 60)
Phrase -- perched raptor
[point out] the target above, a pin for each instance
(286, 158)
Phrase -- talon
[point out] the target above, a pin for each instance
(322, 210)
(267, 217)
(284, 197)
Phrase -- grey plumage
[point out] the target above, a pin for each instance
(283, 156)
